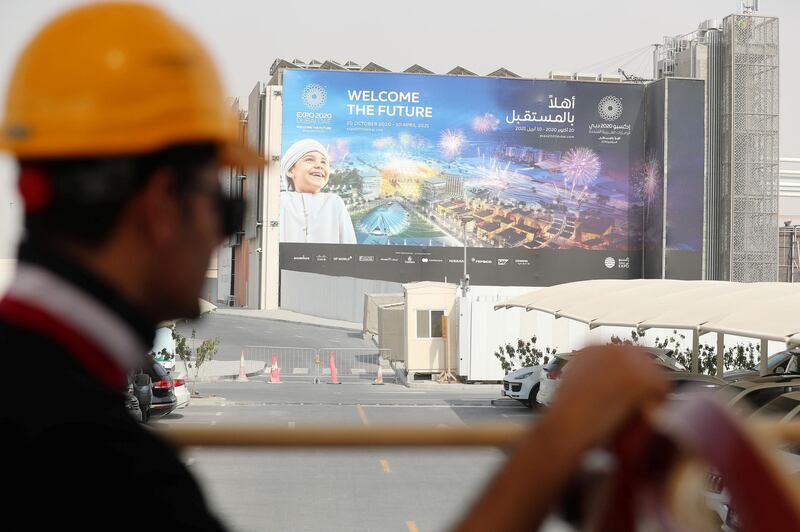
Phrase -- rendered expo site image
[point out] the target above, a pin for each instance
(530, 164)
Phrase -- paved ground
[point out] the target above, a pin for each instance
(392, 490)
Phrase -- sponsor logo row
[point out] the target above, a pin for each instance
(409, 259)
(610, 262)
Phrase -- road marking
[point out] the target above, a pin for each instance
(412, 526)
(385, 466)
(362, 415)
(218, 414)
(213, 423)
(292, 424)
(300, 371)
(298, 336)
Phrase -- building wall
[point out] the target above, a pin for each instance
(339, 298)
(789, 210)
(224, 275)
(240, 274)
(254, 196)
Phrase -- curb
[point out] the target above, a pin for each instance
(429, 385)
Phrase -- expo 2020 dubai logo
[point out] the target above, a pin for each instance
(610, 108)
(314, 96)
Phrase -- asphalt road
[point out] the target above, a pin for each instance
(322, 490)
(236, 333)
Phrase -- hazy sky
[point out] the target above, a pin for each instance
(529, 38)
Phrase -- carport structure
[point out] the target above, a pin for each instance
(766, 311)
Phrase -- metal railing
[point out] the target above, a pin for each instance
(323, 364)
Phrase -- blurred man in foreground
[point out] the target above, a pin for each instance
(117, 120)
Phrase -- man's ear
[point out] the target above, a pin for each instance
(158, 210)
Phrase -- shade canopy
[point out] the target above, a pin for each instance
(770, 311)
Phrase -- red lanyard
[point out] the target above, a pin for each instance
(95, 360)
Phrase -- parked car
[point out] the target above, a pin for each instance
(782, 362)
(182, 394)
(164, 400)
(718, 499)
(750, 394)
(523, 385)
(782, 409)
(684, 382)
(164, 346)
(551, 372)
(550, 376)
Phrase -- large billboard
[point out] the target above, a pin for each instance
(674, 179)
(386, 176)
(685, 179)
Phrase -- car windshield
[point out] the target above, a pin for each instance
(776, 360)
(157, 372)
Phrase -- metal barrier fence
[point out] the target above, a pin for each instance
(323, 364)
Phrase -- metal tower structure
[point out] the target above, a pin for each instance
(748, 195)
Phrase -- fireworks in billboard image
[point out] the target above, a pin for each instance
(648, 180)
(529, 164)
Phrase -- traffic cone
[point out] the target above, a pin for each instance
(274, 373)
(242, 374)
(332, 365)
(379, 380)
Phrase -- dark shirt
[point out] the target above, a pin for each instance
(72, 453)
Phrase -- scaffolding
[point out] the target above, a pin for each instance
(789, 254)
(749, 177)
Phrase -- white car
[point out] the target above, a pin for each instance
(181, 391)
(551, 372)
(164, 347)
(523, 385)
(550, 377)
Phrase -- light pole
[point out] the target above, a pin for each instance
(465, 279)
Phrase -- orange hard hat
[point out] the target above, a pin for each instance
(116, 79)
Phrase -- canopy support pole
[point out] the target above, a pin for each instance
(762, 360)
(695, 351)
(720, 354)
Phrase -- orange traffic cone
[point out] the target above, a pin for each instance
(379, 380)
(242, 374)
(274, 373)
(332, 364)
